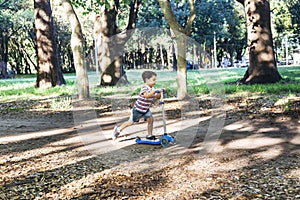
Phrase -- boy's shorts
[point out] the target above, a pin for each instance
(136, 115)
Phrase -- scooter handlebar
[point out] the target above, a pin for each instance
(158, 91)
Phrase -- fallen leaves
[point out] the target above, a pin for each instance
(33, 170)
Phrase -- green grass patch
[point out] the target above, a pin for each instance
(200, 82)
(24, 88)
(61, 103)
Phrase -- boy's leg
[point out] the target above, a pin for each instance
(117, 130)
(150, 125)
(149, 118)
(125, 125)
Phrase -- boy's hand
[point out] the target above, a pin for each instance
(159, 90)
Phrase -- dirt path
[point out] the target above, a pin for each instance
(49, 154)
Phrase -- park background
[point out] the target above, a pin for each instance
(58, 110)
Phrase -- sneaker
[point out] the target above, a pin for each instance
(150, 137)
(116, 133)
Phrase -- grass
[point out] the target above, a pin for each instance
(200, 82)
(24, 88)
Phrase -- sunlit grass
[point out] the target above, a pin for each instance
(13, 89)
(199, 82)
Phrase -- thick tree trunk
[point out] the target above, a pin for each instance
(111, 40)
(77, 44)
(109, 51)
(47, 60)
(5, 49)
(262, 68)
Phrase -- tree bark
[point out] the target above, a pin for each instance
(108, 53)
(111, 40)
(47, 60)
(262, 68)
(77, 45)
(180, 35)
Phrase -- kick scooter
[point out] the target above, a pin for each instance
(166, 138)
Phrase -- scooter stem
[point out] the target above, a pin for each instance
(163, 110)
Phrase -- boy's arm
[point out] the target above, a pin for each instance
(149, 94)
(156, 92)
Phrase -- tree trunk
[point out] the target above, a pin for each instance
(111, 40)
(181, 41)
(77, 45)
(47, 60)
(108, 52)
(180, 34)
(262, 68)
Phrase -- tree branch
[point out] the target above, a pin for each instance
(134, 8)
(169, 15)
(2, 5)
(191, 18)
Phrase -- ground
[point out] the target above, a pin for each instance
(248, 149)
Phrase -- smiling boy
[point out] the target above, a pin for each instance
(141, 108)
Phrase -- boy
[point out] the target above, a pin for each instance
(142, 105)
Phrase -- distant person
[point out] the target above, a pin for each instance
(141, 108)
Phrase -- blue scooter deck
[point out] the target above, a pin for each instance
(163, 141)
(147, 141)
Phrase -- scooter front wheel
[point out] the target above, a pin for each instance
(164, 142)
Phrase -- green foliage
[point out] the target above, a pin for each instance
(220, 16)
(282, 17)
(264, 89)
(286, 20)
(294, 7)
(61, 103)
(150, 15)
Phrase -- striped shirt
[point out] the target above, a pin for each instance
(142, 104)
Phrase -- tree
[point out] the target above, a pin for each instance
(49, 71)
(10, 27)
(5, 35)
(285, 15)
(110, 40)
(4, 4)
(77, 44)
(180, 33)
(293, 7)
(262, 68)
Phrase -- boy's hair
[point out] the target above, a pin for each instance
(147, 75)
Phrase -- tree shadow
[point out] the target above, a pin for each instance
(139, 171)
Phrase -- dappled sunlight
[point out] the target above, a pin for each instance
(296, 140)
(294, 174)
(253, 142)
(98, 140)
(240, 126)
(81, 161)
(46, 157)
(267, 129)
(77, 187)
(269, 153)
(33, 135)
(267, 57)
(172, 165)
